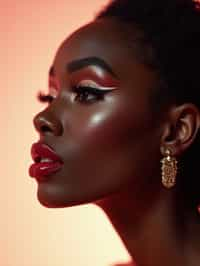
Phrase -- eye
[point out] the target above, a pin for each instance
(87, 91)
(87, 94)
(83, 94)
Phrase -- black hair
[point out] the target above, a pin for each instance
(171, 31)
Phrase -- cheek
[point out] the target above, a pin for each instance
(111, 142)
(111, 122)
(102, 130)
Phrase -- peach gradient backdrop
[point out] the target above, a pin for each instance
(31, 235)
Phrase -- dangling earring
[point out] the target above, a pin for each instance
(169, 169)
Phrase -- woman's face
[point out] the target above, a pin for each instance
(110, 143)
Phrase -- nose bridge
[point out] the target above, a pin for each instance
(47, 122)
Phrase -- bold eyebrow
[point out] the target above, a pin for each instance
(88, 61)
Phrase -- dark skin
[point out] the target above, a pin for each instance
(111, 147)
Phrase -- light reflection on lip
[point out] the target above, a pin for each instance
(43, 171)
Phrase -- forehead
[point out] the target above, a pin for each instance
(111, 41)
(104, 38)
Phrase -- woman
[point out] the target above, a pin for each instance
(121, 129)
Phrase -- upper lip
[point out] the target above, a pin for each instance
(41, 150)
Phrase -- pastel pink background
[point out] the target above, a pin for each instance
(31, 235)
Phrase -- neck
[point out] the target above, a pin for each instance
(154, 235)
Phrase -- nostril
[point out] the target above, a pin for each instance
(43, 124)
(48, 124)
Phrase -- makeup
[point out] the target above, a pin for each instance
(46, 161)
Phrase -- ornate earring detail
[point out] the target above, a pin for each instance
(169, 169)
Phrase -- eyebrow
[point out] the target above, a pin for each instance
(89, 61)
(78, 64)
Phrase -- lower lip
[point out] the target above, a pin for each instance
(42, 171)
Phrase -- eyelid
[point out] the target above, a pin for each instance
(92, 84)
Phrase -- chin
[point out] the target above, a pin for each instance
(55, 195)
(49, 199)
(55, 202)
(47, 203)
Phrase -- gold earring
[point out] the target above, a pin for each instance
(169, 169)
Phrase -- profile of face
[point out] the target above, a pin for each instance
(100, 121)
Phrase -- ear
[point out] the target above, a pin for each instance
(181, 128)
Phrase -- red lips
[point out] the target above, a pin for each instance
(41, 150)
(42, 170)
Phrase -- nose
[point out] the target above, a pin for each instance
(45, 123)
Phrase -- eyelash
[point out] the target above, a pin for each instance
(81, 90)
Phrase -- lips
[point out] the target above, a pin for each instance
(47, 162)
(43, 151)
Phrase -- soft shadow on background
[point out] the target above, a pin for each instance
(31, 235)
